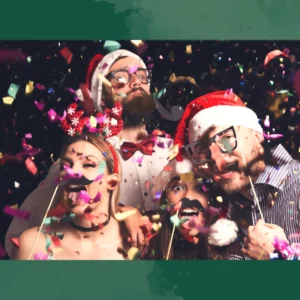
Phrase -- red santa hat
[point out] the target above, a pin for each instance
(98, 68)
(219, 108)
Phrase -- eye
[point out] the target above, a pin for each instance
(177, 188)
(89, 166)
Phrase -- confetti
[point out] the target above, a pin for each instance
(13, 90)
(124, 215)
(133, 253)
(188, 49)
(8, 100)
(67, 54)
(30, 166)
(175, 220)
(29, 88)
(40, 256)
(111, 46)
(22, 214)
(271, 55)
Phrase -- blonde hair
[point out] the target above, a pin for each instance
(106, 148)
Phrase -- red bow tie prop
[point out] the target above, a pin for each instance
(146, 147)
(73, 123)
(111, 123)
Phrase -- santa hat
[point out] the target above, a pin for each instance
(219, 108)
(173, 169)
(100, 65)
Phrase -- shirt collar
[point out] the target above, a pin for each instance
(275, 175)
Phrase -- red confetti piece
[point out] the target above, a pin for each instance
(30, 166)
(15, 241)
(56, 241)
(272, 136)
(271, 55)
(22, 214)
(67, 54)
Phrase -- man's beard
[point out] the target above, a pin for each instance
(138, 110)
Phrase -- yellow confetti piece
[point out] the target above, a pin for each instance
(188, 177)
(133, 253)
(29, 88)
(275, 194)
(219, 199)
(156, 217)
(156, 226)
(295, 172)
(8, 100)
(173, 152)
(172, 78)
(56, 250)
(188, 49)
(137, 43)
(123, 215)
(15, 206)
(93, 122)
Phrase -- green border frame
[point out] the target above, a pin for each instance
(149, 19)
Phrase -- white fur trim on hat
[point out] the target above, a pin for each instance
(223, 233)
(173, 169)
(222, 115)
(103, 69)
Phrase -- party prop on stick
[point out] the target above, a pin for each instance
(45, 216)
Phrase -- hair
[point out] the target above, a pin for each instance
(103, 146)
(160, 243)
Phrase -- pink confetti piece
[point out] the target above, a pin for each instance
(22, 214)
(30, 166)
(97, 198)
(40, 86)
(40, 256)
(40, 106)
(157, 197)
(84, 196)
(9, 56)
(105, 65)
(2, 252)
(70, 174)
(99, 177)
(272, 136)
(133, 69)
(70, 90)
(53, 116)
(28, 136)
(139, 160)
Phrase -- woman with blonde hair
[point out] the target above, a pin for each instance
(90, 231)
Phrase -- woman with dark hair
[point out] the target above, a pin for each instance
(186, 198)
(91, 230)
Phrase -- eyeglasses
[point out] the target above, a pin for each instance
(123, 76)
(199, 151)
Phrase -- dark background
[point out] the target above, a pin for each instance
(213, 64)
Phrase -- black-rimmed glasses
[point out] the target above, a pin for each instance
(124, 76)
(199, 151)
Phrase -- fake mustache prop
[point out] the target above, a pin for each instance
(187, 203)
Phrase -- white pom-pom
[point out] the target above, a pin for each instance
(223, 233)
(184, 167)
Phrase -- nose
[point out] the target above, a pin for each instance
(190, 193)
(76, 168)
(217, 156)
(135, 81)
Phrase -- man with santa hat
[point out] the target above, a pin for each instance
(225, 139)
(120, 76)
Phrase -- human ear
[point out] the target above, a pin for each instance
(113, 182)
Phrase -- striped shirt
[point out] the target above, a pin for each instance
(278, 192)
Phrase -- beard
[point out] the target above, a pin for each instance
(138, 111)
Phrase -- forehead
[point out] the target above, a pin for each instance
(126, 63)
(85, 148)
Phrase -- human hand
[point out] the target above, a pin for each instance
(132, 223)
(259, 242)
